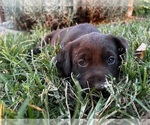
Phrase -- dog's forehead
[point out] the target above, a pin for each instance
(91, 48)
(101, 39)
(97, 41)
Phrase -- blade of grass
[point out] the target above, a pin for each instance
(142, 105)
(22, 109)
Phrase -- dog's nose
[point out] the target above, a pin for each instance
(100, 86)
(97, 82)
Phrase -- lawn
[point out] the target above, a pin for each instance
(32, 88)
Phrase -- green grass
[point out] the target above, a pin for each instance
(33, 88)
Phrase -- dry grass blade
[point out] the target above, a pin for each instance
(1, 111)
(36, 107)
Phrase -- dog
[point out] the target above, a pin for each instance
(87, 53)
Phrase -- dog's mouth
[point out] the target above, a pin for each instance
(97, 83)
(103, 89)
(101, 86)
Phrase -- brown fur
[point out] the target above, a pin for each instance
(87, 53)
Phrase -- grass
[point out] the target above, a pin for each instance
(33, 88)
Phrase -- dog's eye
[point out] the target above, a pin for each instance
(82, 63)
(111, 60)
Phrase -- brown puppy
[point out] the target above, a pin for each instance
(87, 53)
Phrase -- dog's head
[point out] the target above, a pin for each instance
(91, 58)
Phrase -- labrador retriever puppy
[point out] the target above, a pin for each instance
(87, 53)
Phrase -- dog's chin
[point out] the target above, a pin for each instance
(96, 93)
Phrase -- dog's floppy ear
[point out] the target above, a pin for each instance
(121, 43)
(63, 59)
(46, 40)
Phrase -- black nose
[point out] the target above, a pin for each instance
(96, 81)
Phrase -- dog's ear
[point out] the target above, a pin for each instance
(47, 40)
(63, 59)
(121, 43)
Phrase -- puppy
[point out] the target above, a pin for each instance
(86, 53)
